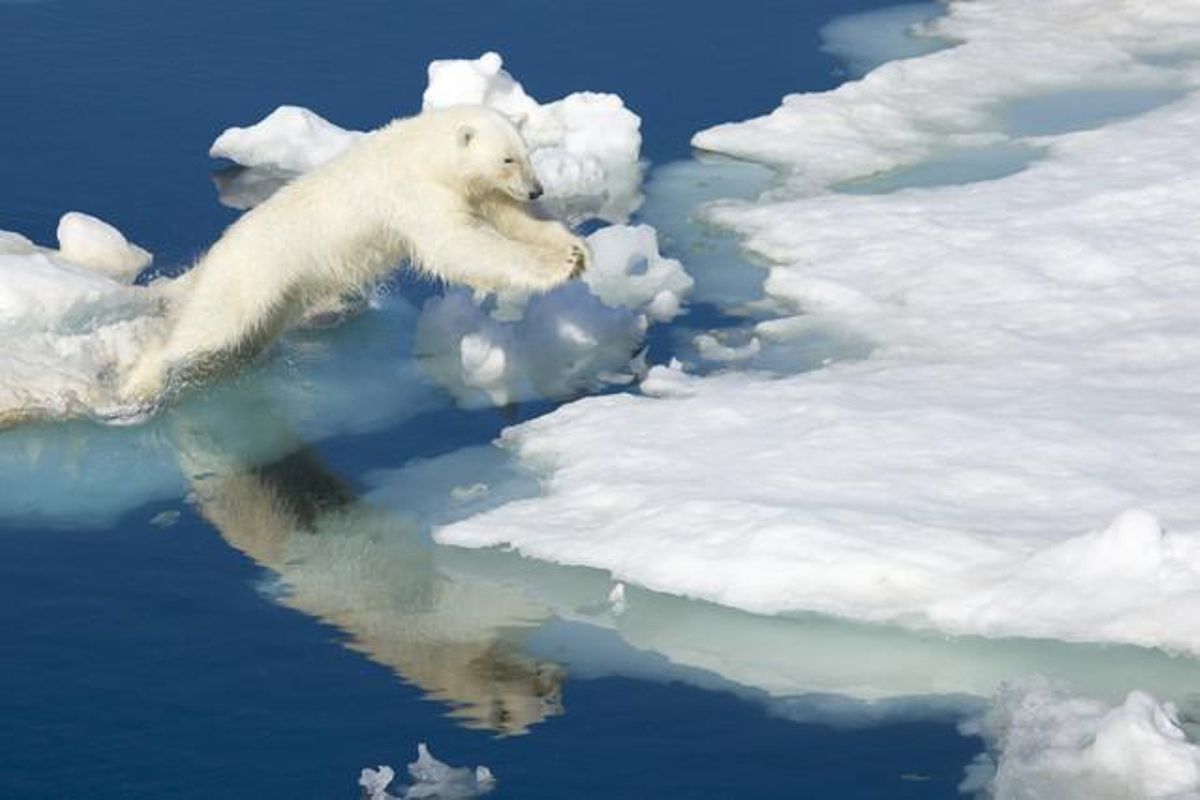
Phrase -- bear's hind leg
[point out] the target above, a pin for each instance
(198, 341)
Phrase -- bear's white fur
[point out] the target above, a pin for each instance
(448, 190)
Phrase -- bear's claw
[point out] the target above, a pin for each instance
(578, 259)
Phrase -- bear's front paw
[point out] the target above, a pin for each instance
(578, 260)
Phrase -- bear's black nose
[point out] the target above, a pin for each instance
(535, 192)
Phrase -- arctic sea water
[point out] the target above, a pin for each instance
(145, 655)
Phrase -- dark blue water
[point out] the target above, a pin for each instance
(143, 661)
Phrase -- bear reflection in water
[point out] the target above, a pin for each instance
(375, 576)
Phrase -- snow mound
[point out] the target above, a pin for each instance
(431, 779)
(456, 82)
(1031, 377)
(290, 138)
(584, 335)
(1046, 743)
(585, 147)
(629, 271)
(83, 239)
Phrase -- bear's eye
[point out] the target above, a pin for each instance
(510, 161)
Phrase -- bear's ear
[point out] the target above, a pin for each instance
(465, 134)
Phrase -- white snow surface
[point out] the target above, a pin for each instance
(585, 147)
(290, 138)
(1047, 743)
(1017, 456)
(94, 243)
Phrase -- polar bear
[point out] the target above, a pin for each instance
(449, 190)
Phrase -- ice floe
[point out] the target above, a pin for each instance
(69, 320)
(290, 138)
(83, 239)
(584, 335)
(1015, 455)
(432, 779)
(585, 147)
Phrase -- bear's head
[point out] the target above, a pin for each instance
(493, 158)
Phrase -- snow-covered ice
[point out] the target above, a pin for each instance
(290, 138)
(69, 319)
(809, 667)
(585, 147)
(356, 379)
(1016, 456)
(83, 239)
(584, 335)
(908, 110)
(1047, 743)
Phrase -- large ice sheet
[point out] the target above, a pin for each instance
(585, 147)
(1016, 456)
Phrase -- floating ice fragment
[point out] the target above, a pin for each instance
(628, 270)
(165, 519)
(711, 348)
(374, 782)
(289, 138)
(582, 335)
(433, 780)
(1044, 742)
(437, 779)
